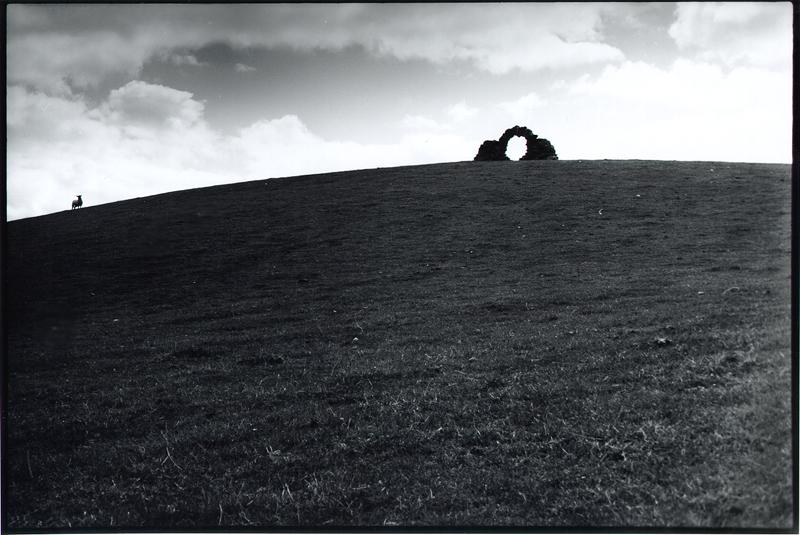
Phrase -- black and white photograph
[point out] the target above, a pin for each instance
(386, 266)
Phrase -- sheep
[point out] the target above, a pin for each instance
(77, 203)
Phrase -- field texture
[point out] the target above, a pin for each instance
(556, 343)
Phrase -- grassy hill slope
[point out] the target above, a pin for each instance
(505, 343)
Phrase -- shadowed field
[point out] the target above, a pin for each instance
(557, 343)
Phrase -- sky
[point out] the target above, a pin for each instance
(117, 101)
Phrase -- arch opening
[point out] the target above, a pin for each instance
(516, 148)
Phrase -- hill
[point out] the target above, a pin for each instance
(542, 343)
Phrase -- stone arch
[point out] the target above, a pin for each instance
(537, 148)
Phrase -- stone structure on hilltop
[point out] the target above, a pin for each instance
(538, 148)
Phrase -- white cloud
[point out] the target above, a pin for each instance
(147, 139)
(497, 38)
(37, 117)
(143, 103)
(524, 105)
(688, 84)
(53, 46)
(285, 147)
(420, 122)
(59, 147)
(691, 110)
(184, 60)
(461, 111)
(242, 67)
(735, 33)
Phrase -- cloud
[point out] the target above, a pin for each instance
(283, 147)
(57, 62)
(460, 111)
(56, 47)
(241, 67)
(37, 117)
(58, 147)
(497, 38)
(139, 103)
(687, 83)
(147, 138)
(523, 105)
(420, 122)
(691, 110)
(738, 33)
(733, 86)
(183, 60)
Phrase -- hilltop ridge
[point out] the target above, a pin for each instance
(437, 344)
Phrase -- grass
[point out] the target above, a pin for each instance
(500, 343)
